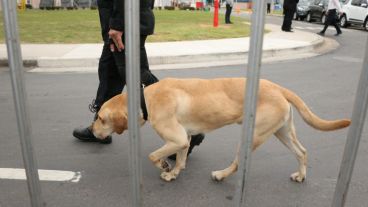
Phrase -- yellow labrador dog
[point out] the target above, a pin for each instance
(178, 108)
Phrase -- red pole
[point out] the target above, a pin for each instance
(215, 18)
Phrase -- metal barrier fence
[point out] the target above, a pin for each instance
(133, 80)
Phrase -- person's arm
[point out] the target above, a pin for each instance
(117, 25)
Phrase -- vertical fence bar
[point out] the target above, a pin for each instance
(20, 100)
(353, 137)
(253, 74)
(132, 36)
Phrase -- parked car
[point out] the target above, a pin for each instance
(186, 5)
(317, 11)
(355, 12)
(302, 9)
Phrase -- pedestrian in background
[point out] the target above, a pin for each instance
(332, 18)
(269, 2)
(289, 10)
(229, 7)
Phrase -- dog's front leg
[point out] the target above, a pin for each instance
(169, 148)
(181, 158)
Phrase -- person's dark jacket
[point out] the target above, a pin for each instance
(147, 19)
(290, 5)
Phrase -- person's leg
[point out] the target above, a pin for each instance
(268, 8)
(109, 85)
(227, 14)
(147, 78)
(335, 22)
(288, 17)
(327, 23)
(284, 22)
(231, 8)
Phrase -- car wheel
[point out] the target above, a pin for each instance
(323, 19)
(366, 24)
(343, 21)
(296, 17)
(308, 18)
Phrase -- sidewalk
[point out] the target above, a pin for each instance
(277, 45)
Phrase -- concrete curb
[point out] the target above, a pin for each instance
(208, 51)
(54, 62)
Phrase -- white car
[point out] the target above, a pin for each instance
(355, 12)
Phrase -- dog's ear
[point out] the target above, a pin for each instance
(120, 122)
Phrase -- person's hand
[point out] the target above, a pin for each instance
(116, 37)
(340, 13)
(326, 13)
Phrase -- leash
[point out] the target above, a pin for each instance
(143, 104)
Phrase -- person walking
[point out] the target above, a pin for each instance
(269, 2)
(289, 10)
(229, 8)
(111, 68)
(332, 18)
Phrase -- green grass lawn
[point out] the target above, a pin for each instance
(82, 26)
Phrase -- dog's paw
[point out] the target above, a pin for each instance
(168, 176)
(297, 177)
(217, 176)
(165, 166)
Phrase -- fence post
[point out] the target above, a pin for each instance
(20, 100)
(353, 137)
(132, 35)
(249, 113)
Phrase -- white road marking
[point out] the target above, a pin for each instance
(348, 59)
(45, 175)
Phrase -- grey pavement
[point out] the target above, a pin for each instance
(277, 45)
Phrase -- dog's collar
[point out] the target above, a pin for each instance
(143, 104)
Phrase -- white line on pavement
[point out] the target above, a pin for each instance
(45, 175)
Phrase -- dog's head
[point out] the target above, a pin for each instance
(111, 118)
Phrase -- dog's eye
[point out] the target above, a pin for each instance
(102, 121)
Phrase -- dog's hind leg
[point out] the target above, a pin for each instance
(287, 136)
(222, 174)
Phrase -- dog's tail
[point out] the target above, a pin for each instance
(309, 117)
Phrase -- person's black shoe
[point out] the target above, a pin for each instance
(321, 33)
(339, 33)
(196, 140)
(86, 135)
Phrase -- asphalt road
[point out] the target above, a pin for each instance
(59, 102)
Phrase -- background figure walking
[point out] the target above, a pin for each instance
(289, 10)
(229, 7)
(269, 2)
(332, 17)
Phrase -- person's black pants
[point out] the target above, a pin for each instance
(332, 19)
(228, 13)
(111, 72)
(268, 8)
(288, 17)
